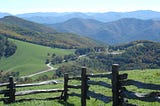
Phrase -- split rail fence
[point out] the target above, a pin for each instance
(10, 93)
(119, 93)
(118, 85)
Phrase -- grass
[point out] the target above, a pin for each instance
(147, 76)
(29, 58)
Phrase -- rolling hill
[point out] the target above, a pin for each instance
(21, 29)
(116, 32)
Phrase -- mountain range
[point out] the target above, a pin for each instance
(109, 27)
(116, 32)
(53, 17)
(21, 29)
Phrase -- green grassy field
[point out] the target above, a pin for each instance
(29, 58)
(147, 76)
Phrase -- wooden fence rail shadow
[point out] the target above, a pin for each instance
(153, 96)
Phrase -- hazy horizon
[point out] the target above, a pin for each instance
(27, 6)
(76, 12)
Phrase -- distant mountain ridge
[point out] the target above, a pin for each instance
(21, 29)
(78, 26)
(54, 17)
(116, 32)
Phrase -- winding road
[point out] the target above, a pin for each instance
(49, 69)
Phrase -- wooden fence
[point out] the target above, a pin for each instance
(119, 93)
(86, 82)
(10, 93)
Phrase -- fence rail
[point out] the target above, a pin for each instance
(75, 78)
(102, 75)
(74, 86)
(10, 92)
(38, 84)
(22, 93)
(3, 84)
(100, 83)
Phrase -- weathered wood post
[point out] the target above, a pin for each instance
(65, 87)
(122, 100)
(83, 87)
(115, 85)
(11, 91)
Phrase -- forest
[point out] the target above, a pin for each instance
(135, 55)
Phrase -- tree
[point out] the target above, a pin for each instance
(47, 61)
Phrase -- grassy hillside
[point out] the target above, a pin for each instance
(29, 58)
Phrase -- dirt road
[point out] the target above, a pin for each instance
(49, 69)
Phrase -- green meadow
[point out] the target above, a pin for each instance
(29, 58)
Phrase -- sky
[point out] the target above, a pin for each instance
(30, 6)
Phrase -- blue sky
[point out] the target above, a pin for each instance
(29, 6)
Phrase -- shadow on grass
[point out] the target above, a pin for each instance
(65, 103)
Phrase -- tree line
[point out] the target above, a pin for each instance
(7, 48)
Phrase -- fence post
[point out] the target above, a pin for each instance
(65, 87)
(83, 87)
(115, 85)
(12, 90)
